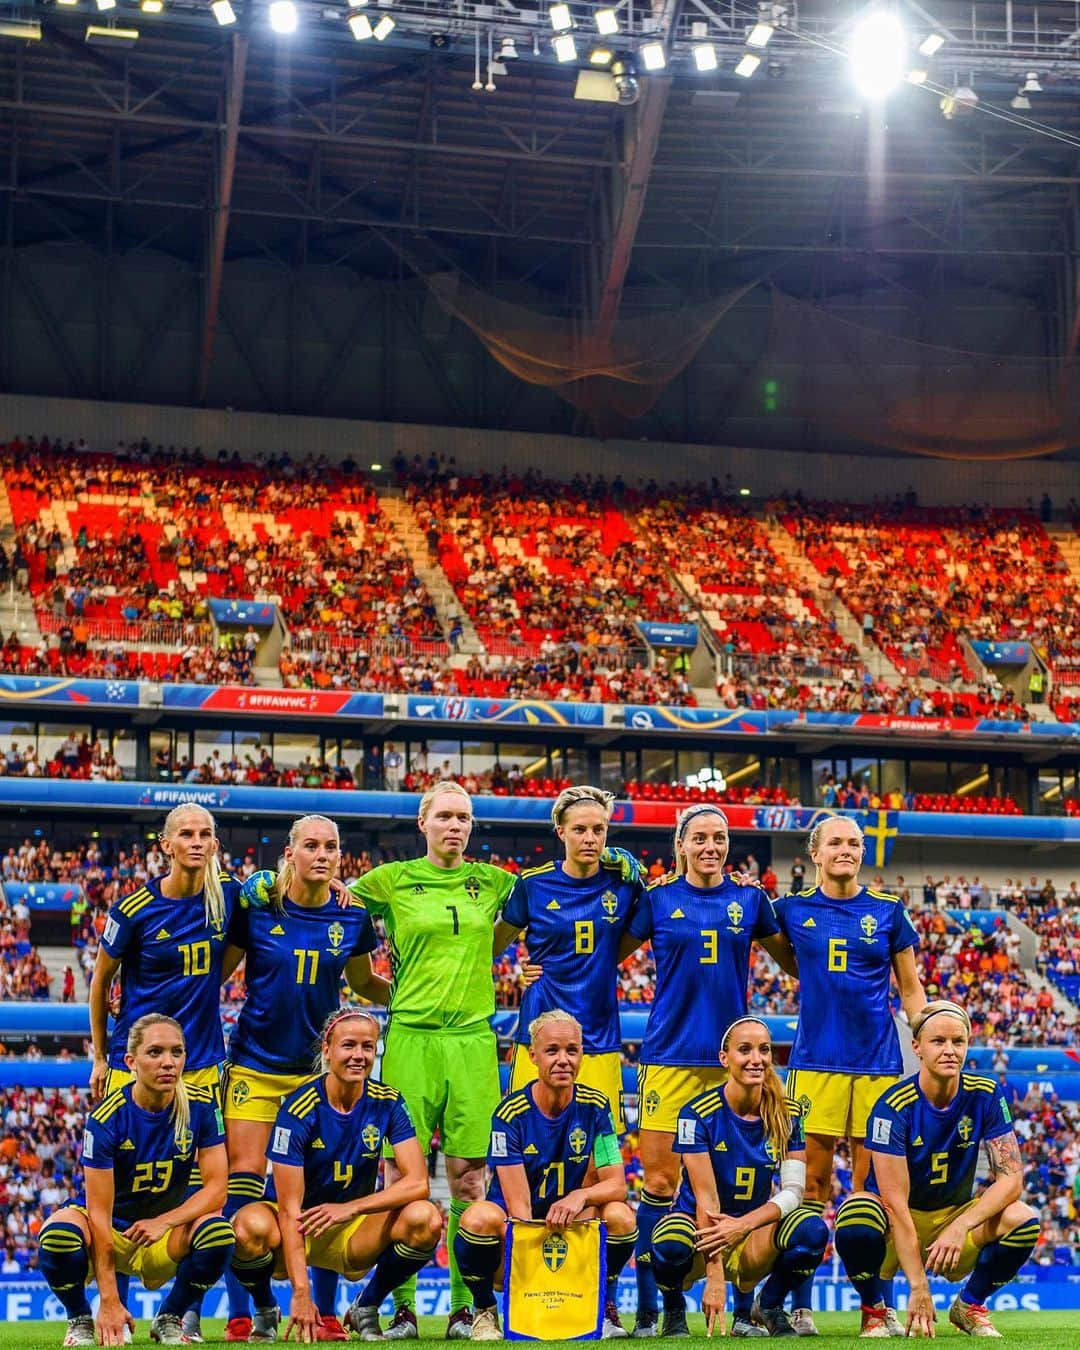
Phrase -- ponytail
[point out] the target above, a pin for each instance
(181, 1113)
(775, 1114)
(214, 896)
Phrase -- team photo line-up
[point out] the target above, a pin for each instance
(268, 1164)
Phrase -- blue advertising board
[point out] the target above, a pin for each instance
(1002, 653)
(246, 613)
(46, 895)
(680, 635)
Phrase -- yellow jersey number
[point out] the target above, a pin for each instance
(307, 965)
(196, 957)
(838, 955)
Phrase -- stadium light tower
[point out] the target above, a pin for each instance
(878, 54)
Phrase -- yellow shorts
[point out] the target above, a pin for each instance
(329, 1251)
(153, 1265)
(837, 1104)
(602, 1072)
(929, 1224)
(210, 1077)
(251, 1095)
(663, 1091)
(681, 1228)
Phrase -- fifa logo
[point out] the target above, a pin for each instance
(578, 1140)
(336, 934)
(555, 1250)
(370, 1137)
(472, 888)
(869, 925)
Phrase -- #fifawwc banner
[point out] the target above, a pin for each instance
(554, 1286)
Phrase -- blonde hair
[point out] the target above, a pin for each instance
(285, 869)
(213, 893)
(575, 796)
(181, 1107)
(939, 1005)
(445, 785)
(553, 1017)
(321, 1063)
(813, 839)
(682, 822)
(775, 1113)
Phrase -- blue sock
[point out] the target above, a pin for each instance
(244, 1189)
(398, 1263)
(618, 1250)
(123, 1287)
(252, 1278)
(888, 1292)
(65, 1262)
(861, 1229)
(742, 1304)
(672, 1257)
(651, 1209)
(324, 1285)
(801, 1239)
(1000, 1261)
(478, 1256)
(802, 1296)
(211, 1249)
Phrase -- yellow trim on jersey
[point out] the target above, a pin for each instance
(108, 1108)
(512, 1106)
(973, 1083)
(537, 871)
(905, 1096)
(132, 903)
(883, 895)
(305, 1104)
(383, 1091)
(662, 881)
(811, 890)
(590, 1096)
(709, 1104)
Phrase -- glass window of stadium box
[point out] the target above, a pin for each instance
(61, 741)
(929, 775)
(441, 758)
(528, 758)
(1057, 785)
(167, 749)
(617, 768)
(290, 749)
(656, 766)
(123, 747)
(570, 762)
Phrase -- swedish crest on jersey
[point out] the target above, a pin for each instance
(578, 1139)
(472, 888)
(964, 1126)
(336, 935)
(610, 903)
(869, 925)
(735, 917)
(370, 1136)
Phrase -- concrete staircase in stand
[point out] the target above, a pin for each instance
(16, 607)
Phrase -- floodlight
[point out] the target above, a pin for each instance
(67, 2)
(151, 6)
(607, 22)
(112, 37)
(561, 18)
(878, 54)
(356, 4)
(760, 34)
(917, 76)
(384, 28)
(653, 56)
(705, 57)
(601, 56)
(748, 63)
(1031, 84)
(1021, 102)
(27, 30)
(624, 78)
(283, 16)
(221, 10)
(106, 4)
(360, 26)
(932, 43)
(508, 51)
(564, 47)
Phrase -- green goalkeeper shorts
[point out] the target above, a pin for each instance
(450, 1082)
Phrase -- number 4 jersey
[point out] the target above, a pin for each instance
(295, 961)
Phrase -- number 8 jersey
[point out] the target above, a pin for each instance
(295, 961)
(845, 949)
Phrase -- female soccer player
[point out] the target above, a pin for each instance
(702, 926)
(725, 1222)
(327, 1141)
(575, 914)
(924, 1136)
(170, 939)
(135, 1216)
(440, 1051)
(848, 940)
(298, 948)
(554, 1155)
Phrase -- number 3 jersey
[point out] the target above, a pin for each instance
(172, 962)
(845, 949)
(743, 1161)
(941, 1145)
(338, 1150)
(151, 1166)
(295, 961)
(556, 1151)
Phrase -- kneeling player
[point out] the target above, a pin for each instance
(924, 1137)
(325, 1150)
(554, 1155)
(135, 1216)
(724, 1223)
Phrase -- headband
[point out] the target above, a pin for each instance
(343, 1015)
(945, 1006)
(704, 809)
(738, 1022)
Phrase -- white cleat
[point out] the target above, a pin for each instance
(972, 1319)
(802, 1319)
(80, 1331)
(485, 1325)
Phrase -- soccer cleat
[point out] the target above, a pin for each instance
(192, 1324)
(80, 1331)
(776, 1322)
(485, 1325)
(613, 1327)
(675, 1323)
(402, 1326)
(264, 1324)
(645, 1325)
(459, 1327)
(167, 1329)
(875, 1323)
(893, 1323)
(364, 1320)
(802, 1319)
(330, 1329)
(742, 1326)
(972, 1319)
(238, 1329)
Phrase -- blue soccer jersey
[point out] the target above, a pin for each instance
(150, 1165)
(574, 930)
(295, 961)
(845, 949)
(339, 1151)
(556, 1152)
(744, 1162)
(941, 1146)
(701, 940)
(172, 962)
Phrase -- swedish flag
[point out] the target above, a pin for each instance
(554, 1286)
(882, 829)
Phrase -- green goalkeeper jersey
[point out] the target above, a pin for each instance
(439, 924)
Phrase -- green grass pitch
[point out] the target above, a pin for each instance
(1048, 1330)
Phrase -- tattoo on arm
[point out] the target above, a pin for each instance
(1004, 1155)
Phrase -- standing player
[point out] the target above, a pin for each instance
(702, 926)
(574, 914)
(439, 1050)
(849, 941)
(325, 1150)
(725, 1222)
(924, 1136)
(137, 1214)
(554, 1155)
(298, 948)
